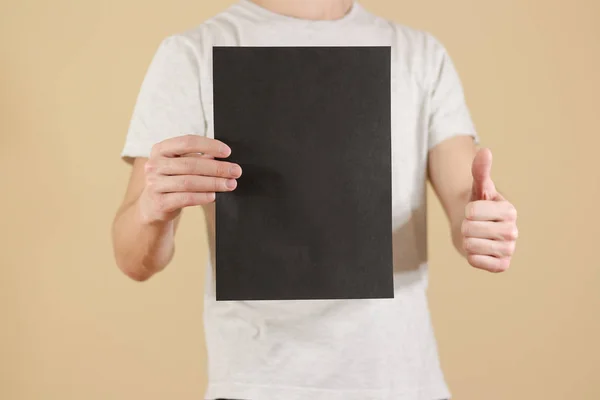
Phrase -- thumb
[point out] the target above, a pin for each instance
(483, 186)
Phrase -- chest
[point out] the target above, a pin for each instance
(408, 100)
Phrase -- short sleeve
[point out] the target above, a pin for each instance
(448, 112)
(169, 102)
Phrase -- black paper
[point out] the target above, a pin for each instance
(311, 216)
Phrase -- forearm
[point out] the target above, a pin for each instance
(141, 248)
(450, 175)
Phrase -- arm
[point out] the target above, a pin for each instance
(482, 222)
(168, 173)
(174, 177)
(141, 249)
(449, 170)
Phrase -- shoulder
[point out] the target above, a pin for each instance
(416, 53)
(199, 39)
(416, 48)
(418, 44)
(416, 41)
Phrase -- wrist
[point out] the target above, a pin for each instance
(156, 239)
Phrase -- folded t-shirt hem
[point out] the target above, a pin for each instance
(439, 137)
(133, 151)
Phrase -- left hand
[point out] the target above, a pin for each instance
(489, 229)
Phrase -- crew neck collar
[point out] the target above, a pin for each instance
(286, 18)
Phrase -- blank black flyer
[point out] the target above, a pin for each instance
(311, 216)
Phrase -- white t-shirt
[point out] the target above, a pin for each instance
(376, 349)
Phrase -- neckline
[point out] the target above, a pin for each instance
(286, 18)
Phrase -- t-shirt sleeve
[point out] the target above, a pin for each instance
(448, 112)
(169, 102)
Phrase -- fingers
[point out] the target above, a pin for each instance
(192, 183)
(170, 202)
(483, 210)
(488, 263)
(487, 247)
(182, 172)
(190, 144)
(193, 166)
(490, 230)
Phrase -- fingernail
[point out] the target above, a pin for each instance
(225, 150)
(231, 183)
(235, 170)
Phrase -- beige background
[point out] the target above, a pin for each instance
(73, 327)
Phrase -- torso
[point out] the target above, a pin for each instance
(335, 349)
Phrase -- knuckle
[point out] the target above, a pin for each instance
(512, 233)
(149, 167)
(511, 212)
(221, 169)
(515, 233)
(185, 184)
(217, 184)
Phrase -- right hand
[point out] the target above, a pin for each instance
(182, 172)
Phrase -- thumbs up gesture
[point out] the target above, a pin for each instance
(489, 228)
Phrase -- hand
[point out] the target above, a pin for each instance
(490, 226)
(182, 172)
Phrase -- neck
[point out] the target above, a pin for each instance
(308, 9)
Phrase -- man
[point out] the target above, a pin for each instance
(331, 349)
